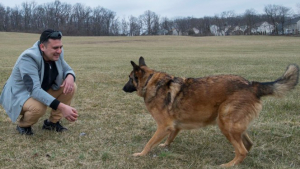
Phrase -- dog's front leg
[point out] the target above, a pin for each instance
(160, 134)
(171, 137)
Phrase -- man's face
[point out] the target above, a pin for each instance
(52, 49)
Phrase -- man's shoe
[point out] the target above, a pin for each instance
(53, 126)
(25, 130)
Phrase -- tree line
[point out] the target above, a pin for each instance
(81, 20)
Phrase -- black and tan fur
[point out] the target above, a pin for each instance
(188, 103)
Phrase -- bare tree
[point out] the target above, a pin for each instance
(2, 18)
(206, 25)
(16, 19)
(272, 12)
(249, 17)
(182, 25)
(134, 26)
(284, 12)
(151, 21)
(225, 20)
(277, 14)
(109, 19)
(27, 11)
(155, 27)
(62, 11)
(7, 19)
(38, 21)
(80, 16)
(166, 24)
(203, 25)
(176, 26)
(230, 18)
(98, 20)
(220, 23)
(63, 17)
(115, 27)
(124, 27)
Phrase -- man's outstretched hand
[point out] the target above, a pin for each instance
(68, 112)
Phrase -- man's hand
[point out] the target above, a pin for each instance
(68, 84)
(68, 112)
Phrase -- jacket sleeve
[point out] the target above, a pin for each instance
(29, 71)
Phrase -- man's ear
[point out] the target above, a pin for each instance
(142, 61)
(42, 47)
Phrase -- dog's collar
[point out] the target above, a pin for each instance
(150, 76)
(145, 86)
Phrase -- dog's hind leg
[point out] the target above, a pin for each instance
(235, 115)
(247, 141)
(233, 122)
(160, 134)
(235, 139)
(171, 137)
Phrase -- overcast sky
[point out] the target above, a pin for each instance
(170, 8)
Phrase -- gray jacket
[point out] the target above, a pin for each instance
(26, 79)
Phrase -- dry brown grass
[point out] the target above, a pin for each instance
(117, 125)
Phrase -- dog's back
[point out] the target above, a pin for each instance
(206, 96)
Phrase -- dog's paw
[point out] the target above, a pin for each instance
(137, 154)
(227, 165)
(163, 145)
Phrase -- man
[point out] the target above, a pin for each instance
(40, 78)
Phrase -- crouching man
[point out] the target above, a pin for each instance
(41, 78)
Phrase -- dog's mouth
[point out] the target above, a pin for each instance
(129, 88)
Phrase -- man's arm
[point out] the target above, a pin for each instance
(30, 74)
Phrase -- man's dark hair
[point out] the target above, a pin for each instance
(50, 34)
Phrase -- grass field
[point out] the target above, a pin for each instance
(113, 124)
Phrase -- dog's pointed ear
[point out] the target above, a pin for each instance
(135, 66)
(142, 61)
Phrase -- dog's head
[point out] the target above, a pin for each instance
(138, 77)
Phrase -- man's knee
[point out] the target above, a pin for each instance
(34, 106)
(39, 109)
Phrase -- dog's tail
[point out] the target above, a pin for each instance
(280, 86)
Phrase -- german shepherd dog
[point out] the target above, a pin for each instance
(187, 103)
